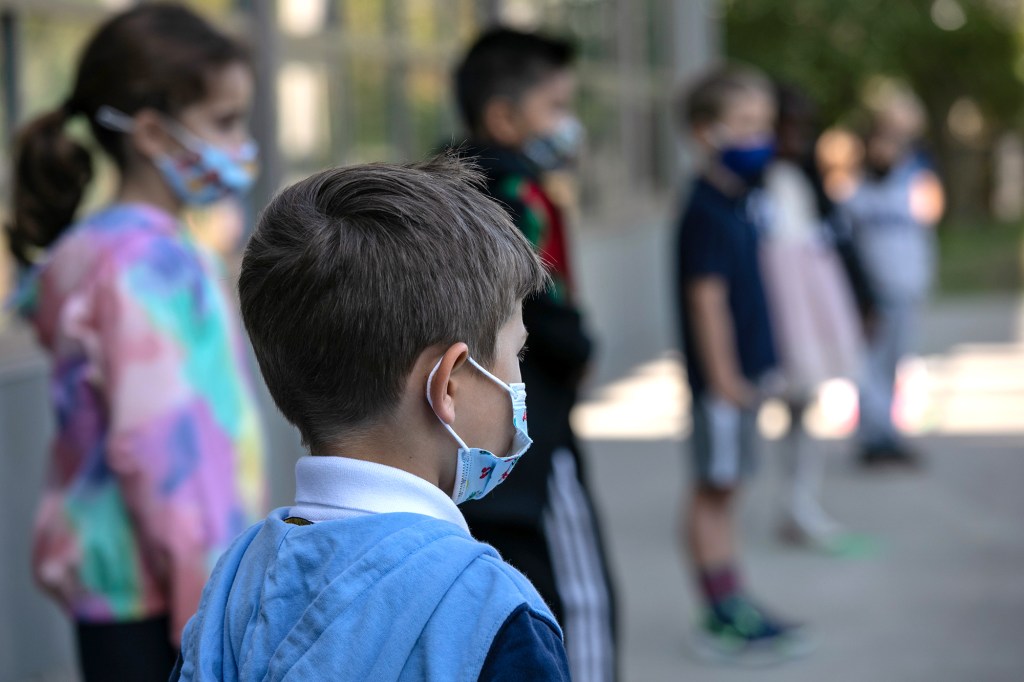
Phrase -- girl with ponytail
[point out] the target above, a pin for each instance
(157, 460)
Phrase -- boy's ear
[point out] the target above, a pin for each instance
(499, 122)
(445, 385)
(704, 135)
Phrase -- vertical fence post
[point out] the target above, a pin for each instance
(10, 46)
(697, 42)
(263, 15)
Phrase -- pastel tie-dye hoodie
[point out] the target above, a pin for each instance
(157, 462)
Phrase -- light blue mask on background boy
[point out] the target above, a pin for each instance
(479, 471)
(559, 148)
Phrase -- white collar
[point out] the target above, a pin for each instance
(339, 487)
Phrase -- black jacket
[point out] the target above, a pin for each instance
(558, 348)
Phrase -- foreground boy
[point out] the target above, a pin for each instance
(515, 93)
(384, 305)
(728, 348)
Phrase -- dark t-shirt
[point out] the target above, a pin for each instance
(718, 237)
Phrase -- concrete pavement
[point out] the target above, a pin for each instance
(943, 598)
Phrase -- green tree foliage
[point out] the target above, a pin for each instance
(831, 47)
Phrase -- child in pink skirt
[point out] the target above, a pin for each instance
(814, 316)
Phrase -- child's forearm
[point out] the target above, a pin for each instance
(707, 300)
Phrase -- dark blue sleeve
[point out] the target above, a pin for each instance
(703, 244)
(176, 672)
(527, 647)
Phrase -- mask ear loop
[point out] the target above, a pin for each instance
(516, 395)
(430, 401)
(113, 119)
(183, 135)
(120, 122)
(490, 376)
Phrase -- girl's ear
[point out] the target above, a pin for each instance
(446, 382)
(149, 137)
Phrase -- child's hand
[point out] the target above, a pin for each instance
(772, 384)
(738, 392)
(927, 200)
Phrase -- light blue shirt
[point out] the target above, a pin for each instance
(898, 252)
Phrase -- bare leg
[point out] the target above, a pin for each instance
(709, 528)
(805, 519)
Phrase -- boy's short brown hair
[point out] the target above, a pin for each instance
(353, 272)
(704, 102)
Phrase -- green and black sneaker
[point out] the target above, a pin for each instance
(738, 631)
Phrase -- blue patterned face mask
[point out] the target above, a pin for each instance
(479, 471)
(203, 173)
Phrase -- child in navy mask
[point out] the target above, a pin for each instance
(728, 348)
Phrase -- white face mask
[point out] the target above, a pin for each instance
(559, 148)
(479, 471)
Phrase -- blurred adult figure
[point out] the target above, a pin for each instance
(892, 211)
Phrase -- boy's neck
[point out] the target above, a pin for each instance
(387, 448)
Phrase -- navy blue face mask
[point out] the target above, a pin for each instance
(749, 161)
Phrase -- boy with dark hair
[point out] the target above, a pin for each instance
(728, 348)
(384, 306)
(515, 91)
